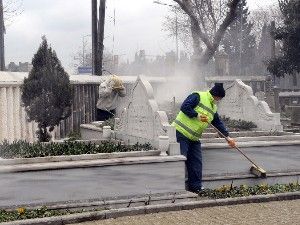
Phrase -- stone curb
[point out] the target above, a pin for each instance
(230, 177)
(115, 213)
(207, 146)
(79, 157)
(249, 139)
(111, 202)
(90, 163)
(236, 134)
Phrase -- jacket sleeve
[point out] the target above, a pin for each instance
(189, 104)
(218, 123)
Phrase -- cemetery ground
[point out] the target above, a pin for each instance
(64, 183)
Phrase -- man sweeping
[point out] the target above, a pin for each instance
(197, 111)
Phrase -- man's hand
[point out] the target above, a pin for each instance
(231, 142)
(202, 118)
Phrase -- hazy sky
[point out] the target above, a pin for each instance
(65, 22)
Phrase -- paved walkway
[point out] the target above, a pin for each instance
(102, 182)
(285, 212)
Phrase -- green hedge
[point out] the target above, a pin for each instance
(228, 191)
(24, 214)
(238, 124)
(23, 149)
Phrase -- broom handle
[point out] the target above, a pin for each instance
(236, 147)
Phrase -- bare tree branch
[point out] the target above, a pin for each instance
(196, 30)
(221, 31)
(263, 16)
(186, 6)
(200, 15)
(12, 9)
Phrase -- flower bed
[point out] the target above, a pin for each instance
(23, 149)
(228, 191)
(23, 214)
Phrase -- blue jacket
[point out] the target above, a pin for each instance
(191, 102)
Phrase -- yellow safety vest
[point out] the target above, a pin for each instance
(192, 128)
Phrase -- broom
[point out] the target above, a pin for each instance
(255, 169)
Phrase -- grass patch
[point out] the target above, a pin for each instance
(23, 149)
(229, 191)
(24, 214)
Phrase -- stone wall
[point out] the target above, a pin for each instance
(240, 103)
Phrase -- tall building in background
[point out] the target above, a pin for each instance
(22, 67)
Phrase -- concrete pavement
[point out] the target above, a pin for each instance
(112, 181)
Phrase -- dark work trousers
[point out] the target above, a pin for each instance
(103, 115)
(192, 151)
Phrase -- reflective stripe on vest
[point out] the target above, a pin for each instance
(206, 108)
(187, 129)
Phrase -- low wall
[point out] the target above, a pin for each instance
(13, 120)
(14, 124)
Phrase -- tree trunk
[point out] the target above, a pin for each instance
(43, 134)
(2, 31)
(198, 34)
(94, 37)
(101, 33)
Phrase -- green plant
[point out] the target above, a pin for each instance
(287, 62)
(23, 149)
(74, 135)
(238, 34)
(238, 124)
(23, 213)
(229, 191)
(46, 93)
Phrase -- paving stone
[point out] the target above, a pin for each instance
(279, 213)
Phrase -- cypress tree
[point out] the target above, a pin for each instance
(264, 50)
(46, 93)
(239, 43)
(289, 34)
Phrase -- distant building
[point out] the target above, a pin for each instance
(84, 70)
(22, 67)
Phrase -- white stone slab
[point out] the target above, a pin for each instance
(240, 103)
(141, 121)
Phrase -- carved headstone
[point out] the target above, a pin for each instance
(140, 120)
(240, 103)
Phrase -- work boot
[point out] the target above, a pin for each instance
(195, 190)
